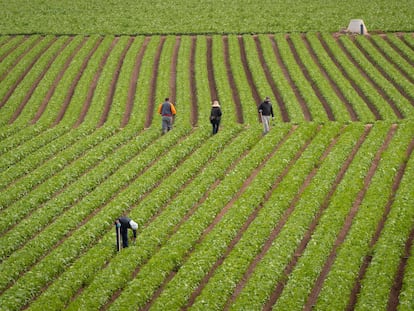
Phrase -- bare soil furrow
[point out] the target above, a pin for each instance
(39, 78)
(210, 70)
(75, 82)
(18, 59)
(375, 85)
(269, 78)
(173, 70)
(306, 238)
(233, 86)
(315, 88)
(313, 296)
(133, 82)
(286, 74)
(94, 83)
(242, 230)
(25, 72)
(53, 87)
(391, 60)
(393, 300)
(354, 84)
(114, 81)
(13, 48)
(193, 86)
(87, 218)
(153, 83)
(116, 294)
(190, 212)
(334, 86)
(248, 73)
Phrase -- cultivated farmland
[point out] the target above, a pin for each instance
(317, 214)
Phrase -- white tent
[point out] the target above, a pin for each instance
(357, 26)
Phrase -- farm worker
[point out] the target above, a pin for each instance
(167, 112)
(122, 224)
(266, 111)
(215, 116)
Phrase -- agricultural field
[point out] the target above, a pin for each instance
(315, 215)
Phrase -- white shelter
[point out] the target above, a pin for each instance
(357, 26)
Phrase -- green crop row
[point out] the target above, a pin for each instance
(19, 94)
(270, 269)
(69, 200)
(68, 167)
(389, 249)
(245, 16)
(247, 100)
(309, 96)
(104, 67)
(377, 79)
(183, 203)
(103, 195)
(309, 265)
(152, 231)
(15, 62)
(344, 271)
(331, 100)
(29, 140)
(195, 262)
(214, 294)
(38, 166)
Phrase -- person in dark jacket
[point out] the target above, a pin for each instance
(167, 112)
(215, 116)
(266, 111)
(122, 224)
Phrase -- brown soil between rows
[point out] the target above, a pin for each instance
(233, 86)
(153, 83)
(27, 69)
(94, 83)
(315, 88)
(269, 78)
(334, 86)
(347, 223)
(395, 290)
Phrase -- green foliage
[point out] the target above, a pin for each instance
(212, 16)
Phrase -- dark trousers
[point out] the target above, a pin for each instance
(124, 234)
(215, 124)
(121, 233)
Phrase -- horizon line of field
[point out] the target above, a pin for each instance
(248, 73)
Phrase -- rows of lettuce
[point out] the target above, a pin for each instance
(161, 246)
(73, 221)
(60, 77)
(100, 180)
(244, 16)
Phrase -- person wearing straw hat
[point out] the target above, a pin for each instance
(266, 111)
(122, 224)
(215, 116)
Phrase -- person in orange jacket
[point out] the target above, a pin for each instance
(167, 112)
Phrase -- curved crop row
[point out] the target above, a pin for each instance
(103, 80)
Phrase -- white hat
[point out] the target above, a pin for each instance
(216, 103)
(133, 224)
